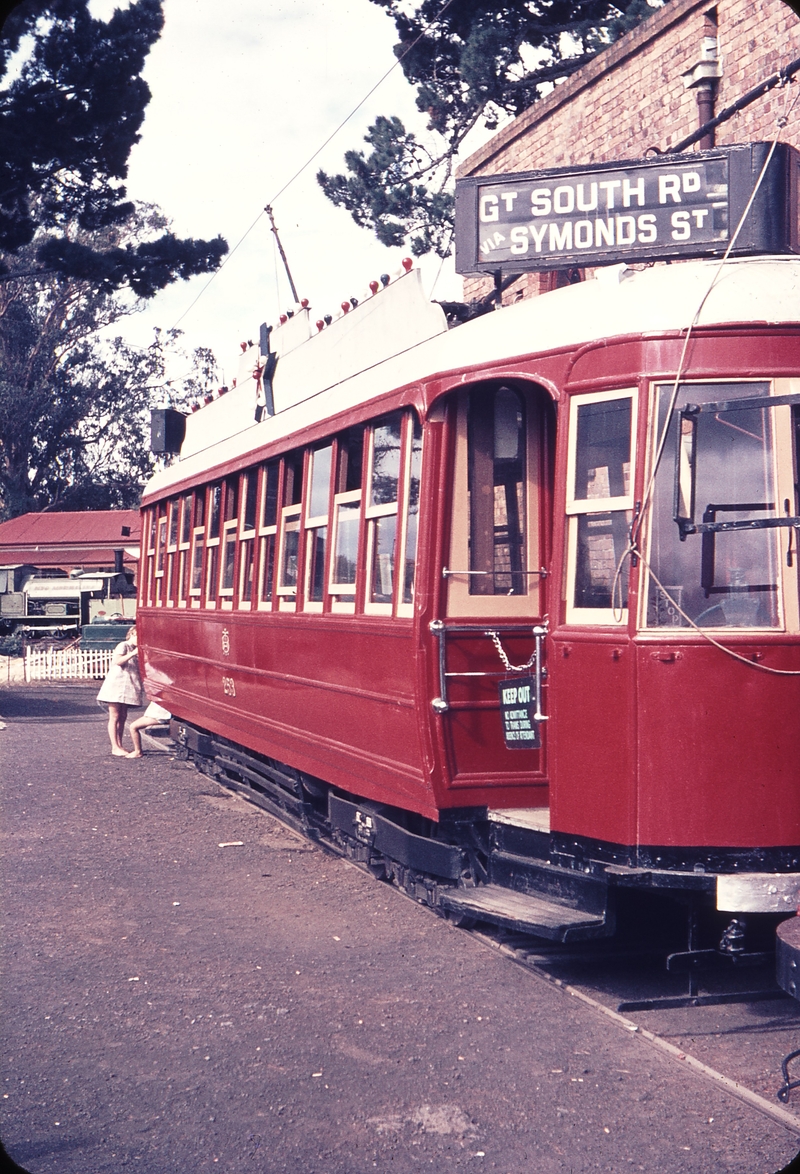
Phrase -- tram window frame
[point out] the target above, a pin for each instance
(198, 548)
(246, 556)
(291, 515)
(351, 448)
(787, 483)
(582, 510)
(315, 525)
(212, 542)
(149, 547)
(461, 602)
(374, 514)
(657, 616)
(409, 507)
(174, 523)
(147, 585)
(160, 554)
(229, 528)
(268, 516)
(173, 532)
(184, 547)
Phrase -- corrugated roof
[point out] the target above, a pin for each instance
(74, 529)
(91, 557)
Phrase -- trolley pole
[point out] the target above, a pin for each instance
(268, 210)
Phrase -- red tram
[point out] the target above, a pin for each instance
(594, 491)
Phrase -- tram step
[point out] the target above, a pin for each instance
(525, 913)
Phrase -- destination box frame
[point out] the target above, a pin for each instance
(771, 225)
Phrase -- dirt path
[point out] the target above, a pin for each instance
(189, 986)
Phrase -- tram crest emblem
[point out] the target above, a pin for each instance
(226, 642)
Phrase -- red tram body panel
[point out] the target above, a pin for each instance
(342, 587)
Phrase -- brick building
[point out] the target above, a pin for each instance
(651, 89)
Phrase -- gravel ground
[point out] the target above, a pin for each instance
(189, 986)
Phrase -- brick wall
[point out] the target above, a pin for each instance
(632, 97)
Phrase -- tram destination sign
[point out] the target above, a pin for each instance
(653, 209)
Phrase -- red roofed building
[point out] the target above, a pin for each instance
(73, 540)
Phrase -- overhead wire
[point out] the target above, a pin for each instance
(441, 265)
(400, 58)
(216, 272)
(633, 549)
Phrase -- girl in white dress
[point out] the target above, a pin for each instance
(121, 689)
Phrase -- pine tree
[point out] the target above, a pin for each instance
(469, 59)
(71, 108)
(76, 256)
(74, 402)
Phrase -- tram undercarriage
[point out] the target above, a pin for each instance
(477, 866)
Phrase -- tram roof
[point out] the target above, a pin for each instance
(321, 378)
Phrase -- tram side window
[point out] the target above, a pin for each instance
(268, 530)
(496, 446)
(409, 557)
(247, 536)
(161, 552)
(289, 559)
(198, 546)
(728, 578)
(316, 524)
(381, 512)
(599, 505)
(213, 508)
(230, 526)
(346, 519)
(184, 545)
(147, 586)
(173, 530)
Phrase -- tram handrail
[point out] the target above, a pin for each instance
(439, 629)
(542, 572)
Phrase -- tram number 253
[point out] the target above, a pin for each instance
(228, 687)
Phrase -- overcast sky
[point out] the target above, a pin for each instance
(243, 93)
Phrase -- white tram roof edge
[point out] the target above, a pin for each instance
(367, 354)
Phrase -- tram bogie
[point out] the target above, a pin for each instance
(509, 614)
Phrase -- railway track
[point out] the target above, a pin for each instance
(731, 1025)
(732, 1043)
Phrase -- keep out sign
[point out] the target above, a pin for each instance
(520, 731)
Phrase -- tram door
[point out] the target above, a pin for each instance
(496, 584)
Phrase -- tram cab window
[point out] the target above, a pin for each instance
(496, 548)
(743, 472)
(599, 506)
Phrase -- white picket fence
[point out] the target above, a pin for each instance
(67, 664)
